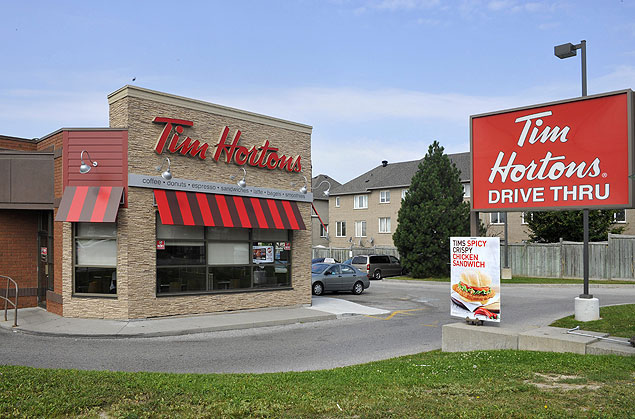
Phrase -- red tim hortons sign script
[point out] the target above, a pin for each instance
(570, 154)
(264, 156)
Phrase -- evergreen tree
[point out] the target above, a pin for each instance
(551, 226)
(432, 211)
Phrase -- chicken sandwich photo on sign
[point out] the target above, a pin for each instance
(475, 278)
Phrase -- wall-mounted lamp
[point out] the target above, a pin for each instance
(242, 182)
(85, 168)
(327, 192)
(167, 174)
(304, 189)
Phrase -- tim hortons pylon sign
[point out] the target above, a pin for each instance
(571, 154)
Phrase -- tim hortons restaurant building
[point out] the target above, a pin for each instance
(179, 207)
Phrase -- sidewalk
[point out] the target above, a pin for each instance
(40, 322)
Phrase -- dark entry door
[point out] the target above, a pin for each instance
(45, 257)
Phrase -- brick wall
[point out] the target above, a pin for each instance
(17, 144)
(19, 252)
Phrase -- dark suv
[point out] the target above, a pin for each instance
(377, 266)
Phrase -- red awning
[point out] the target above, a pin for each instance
(93, 204)
(193, 208)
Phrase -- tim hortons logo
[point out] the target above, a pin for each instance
(264, 156)
(550, 167)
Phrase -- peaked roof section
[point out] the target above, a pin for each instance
(318, 192)
(396, 175)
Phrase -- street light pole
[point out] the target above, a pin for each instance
(566, 51)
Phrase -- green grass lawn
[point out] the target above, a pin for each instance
(493, 384)
(615, 320)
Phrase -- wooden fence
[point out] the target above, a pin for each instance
(612, 259)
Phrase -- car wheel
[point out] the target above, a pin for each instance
(358, 288)
(377, 274)
(318, 288)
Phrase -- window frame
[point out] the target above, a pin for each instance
(384, 196)
(615, 220)
(364, 198)
(523, 217)
(360, 225)
(337, 202)
(467, 190)
(324, 230)
(387, 225)
(499, 221)
(404, 192)
(75, 227)
(339, 232)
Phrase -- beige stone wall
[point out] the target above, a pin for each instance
(136, 237)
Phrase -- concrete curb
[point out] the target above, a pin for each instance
(43, 323)
(461, 337)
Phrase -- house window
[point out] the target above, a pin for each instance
(525, 217)
(496, 217)
(384, 224)
(324, 230)
(361, 201)
(384, 197)
(337, 201)
(340, 229)
(360, 228)
(403, 193)
(467, 189)
(619, 216)
(95, 258)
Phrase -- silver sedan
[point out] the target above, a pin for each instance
(337, 277)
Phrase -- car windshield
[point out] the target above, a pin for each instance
(318, 268)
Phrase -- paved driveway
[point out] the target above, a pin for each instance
(415, 312)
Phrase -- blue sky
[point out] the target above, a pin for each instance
(377, 79)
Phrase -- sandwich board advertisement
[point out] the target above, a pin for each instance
(475, 278)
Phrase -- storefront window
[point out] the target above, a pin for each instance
(95, 258)
(214, 259)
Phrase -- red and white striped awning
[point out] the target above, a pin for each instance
(193, 208)
(92, 204)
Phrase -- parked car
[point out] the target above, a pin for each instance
(378, 266)
(324, 260)
(337, 277)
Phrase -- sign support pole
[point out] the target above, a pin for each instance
(585, 212)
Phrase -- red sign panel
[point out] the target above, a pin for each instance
(573, 154)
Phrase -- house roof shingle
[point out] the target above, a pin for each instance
(395, 175)
(318, 192)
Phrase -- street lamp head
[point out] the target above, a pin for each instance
(564, 50)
